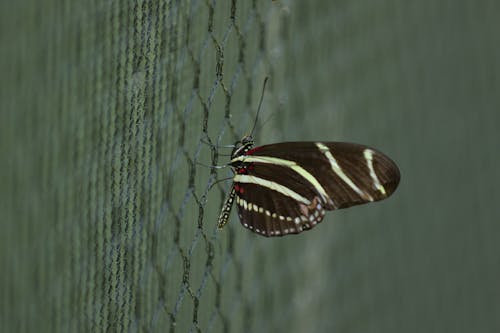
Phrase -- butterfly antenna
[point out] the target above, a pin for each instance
(260, 104)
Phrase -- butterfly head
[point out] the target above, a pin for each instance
(242, 146)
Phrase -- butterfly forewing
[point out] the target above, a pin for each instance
(285, 188)
(349, 173)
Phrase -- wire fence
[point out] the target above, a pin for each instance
(110, 111)
(121, 221)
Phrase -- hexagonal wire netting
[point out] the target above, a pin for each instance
(114, 107)
(129, 99)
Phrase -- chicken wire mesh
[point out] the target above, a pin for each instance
(110, 108)
(128, 98)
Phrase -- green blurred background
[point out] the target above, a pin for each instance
(107, 222)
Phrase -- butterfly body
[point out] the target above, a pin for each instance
(285, 188)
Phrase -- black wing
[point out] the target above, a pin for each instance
(285, 188)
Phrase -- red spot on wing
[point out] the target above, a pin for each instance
(242, 170)
(253, 150)
(238, 188)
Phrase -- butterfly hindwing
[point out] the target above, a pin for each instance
(271, 213)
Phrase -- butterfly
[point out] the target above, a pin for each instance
(286, 188)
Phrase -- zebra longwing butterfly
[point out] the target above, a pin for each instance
(285, 188)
